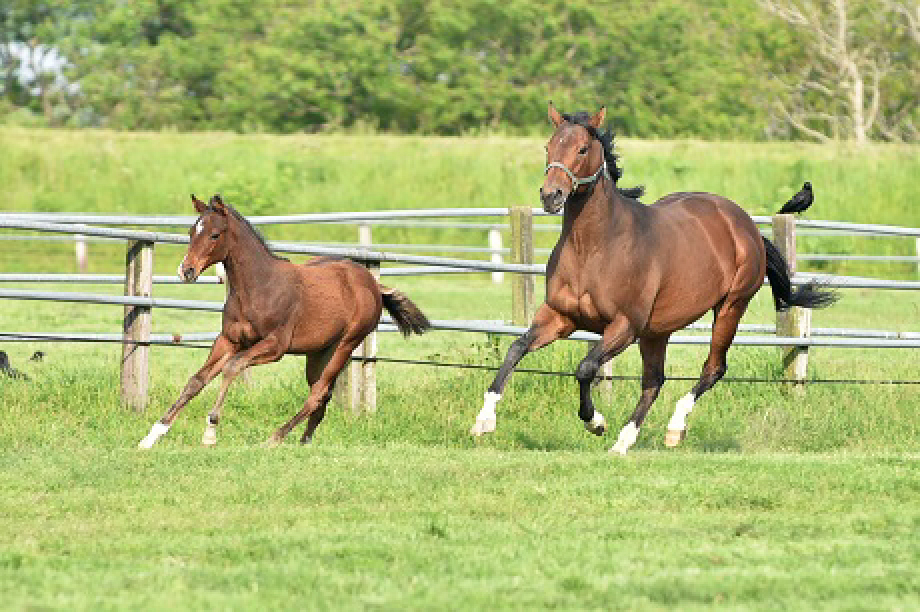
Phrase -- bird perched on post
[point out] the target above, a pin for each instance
(799, 201)
(9, 370)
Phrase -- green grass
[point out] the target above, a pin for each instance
(779, 498)
(403, 527)
(153, 173)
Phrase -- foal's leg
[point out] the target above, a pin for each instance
(221, 351)
(269, 349)
(653, 352)
(617, 336)
(320, 392)
(724, 327)
(548, 325)
(315, 366)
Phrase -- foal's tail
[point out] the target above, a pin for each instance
(407, 316)
(784, 296)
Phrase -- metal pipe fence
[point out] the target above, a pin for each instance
(75, 225)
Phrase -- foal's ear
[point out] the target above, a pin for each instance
(218, 204)
(554, 115)
(597, 119)
(199, 205)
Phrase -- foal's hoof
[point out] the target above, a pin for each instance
(482, 426)
(209, 437)
(272, 442)
(674, 437)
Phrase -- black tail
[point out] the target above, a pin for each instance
(784, 296)
(409, 319)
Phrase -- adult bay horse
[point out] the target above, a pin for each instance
(633, 272)
(322, 309)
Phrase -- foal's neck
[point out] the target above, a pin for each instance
(248, 261)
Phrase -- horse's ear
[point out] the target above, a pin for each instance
(554, 115)
(199, 205)
(218, 204)
(597, 119)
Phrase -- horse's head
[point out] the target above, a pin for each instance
(574, 159)
(209, 239)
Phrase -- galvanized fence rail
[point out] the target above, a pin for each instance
(140, 300)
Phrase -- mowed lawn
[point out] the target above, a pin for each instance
(405, 527)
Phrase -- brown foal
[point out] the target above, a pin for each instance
(631, 272)
(322, 309)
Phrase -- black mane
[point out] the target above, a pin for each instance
(583, 119)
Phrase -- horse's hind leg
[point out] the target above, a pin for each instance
(653, 351)
(320, 392)
(724, 327)
(315, 366)
(548, 325)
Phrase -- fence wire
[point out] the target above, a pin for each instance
(464, 366)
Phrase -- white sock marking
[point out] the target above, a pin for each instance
(684, 407)
(485, 421)
(628, 436)
(489, 402)
(597, 420)
(156, 432)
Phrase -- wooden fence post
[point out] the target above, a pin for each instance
(361, 388)
(135, 378)
(495, 243)
(522, 307)
(796, 321)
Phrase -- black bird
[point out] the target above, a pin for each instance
(9, 370)
(799, 201)
(37, 356)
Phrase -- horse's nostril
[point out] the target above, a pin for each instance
(189, 273)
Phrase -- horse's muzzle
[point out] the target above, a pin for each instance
(187, 274)
(552, 199)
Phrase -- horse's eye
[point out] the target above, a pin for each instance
(583, 150)
(215, 235)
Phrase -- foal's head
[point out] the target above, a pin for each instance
(574, 157)
(209, 240)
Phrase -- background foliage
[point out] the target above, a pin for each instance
(665, 68)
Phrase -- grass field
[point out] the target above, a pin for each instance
(779, 498)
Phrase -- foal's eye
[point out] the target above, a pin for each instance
(583, 150)
(215, 235)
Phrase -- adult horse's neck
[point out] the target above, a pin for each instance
(248, 262)
(595, 212)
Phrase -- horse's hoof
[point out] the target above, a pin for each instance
(209, 437)
(597, 430)
(597, 425)
(272, 442)
(483, 426)
(619, 449)
(674, 437)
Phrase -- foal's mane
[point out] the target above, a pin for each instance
(583, 118)
(258, 235)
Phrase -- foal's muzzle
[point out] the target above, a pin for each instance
(187, 274)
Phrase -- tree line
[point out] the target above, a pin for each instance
(749, 70)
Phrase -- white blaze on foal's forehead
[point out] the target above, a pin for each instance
(199, 226)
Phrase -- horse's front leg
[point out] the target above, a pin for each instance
(617, 336)
(221, 351)
(268, 349)
(548, 325)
